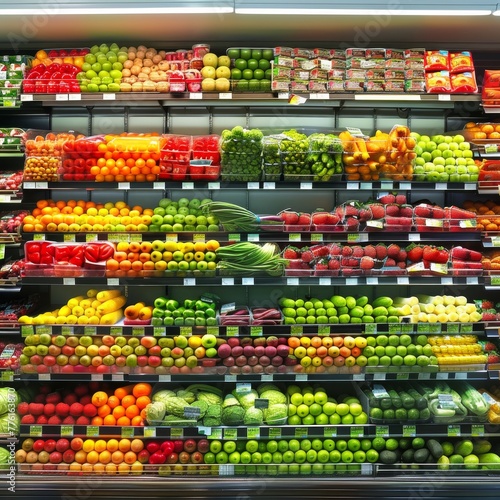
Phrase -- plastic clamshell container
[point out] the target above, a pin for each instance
(42, 168)
(379, 388)
(234, 315)
(266, 316)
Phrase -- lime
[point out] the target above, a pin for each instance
(256, 54)
(242, 86)
(254, 85)
(268, 54)
(246, 53)
(366, 444)
(391, 444)
(264, 64)
(418, 443)
(233, 53)
(389, 414)
(240, 64)
(247, 74)
(268, 73)
(448, 448)
(258, 74)
(376, 413)
(235, 74)
(252, 64)
(378, 444)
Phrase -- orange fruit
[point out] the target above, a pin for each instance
(99, 398)
(142, 389)
(112, 445)
(128, 400)
(117, 457)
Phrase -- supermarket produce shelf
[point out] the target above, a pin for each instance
(266, 281)
(259, 185)
(441, 485)
(409, 429)
(286, 377)
(257, 330)
(272, 236)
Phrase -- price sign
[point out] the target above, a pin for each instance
(127, 432)
(159, 331)
(92, 431)
(477, 430)
(275, 432)
(66, 430)
(330, 432)
(253, 432)
(214, 433)
(409, 431)
(301, 432)
(177, 432)
(382, 431)
(149, 432)
(454, 431)
(231, 434)
(356, 432)
(35, 430)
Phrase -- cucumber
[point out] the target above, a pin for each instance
(395, 398)
(420, 401)
(407, 400)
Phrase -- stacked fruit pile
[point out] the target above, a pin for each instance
(103, 307)
(82, 405)
(313, 406)
(444, 158)
(339, 309)
(157, 257)
(76, 456)
(199, 312)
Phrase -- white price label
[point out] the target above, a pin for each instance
(325, 281)
(26, 97)
(196, 95)
(225, 95)
(188, 185)
(189, 281)
(108, 97)
(292, 281)
(69, 281)
(281, 95)
(228, 281)
(269, 185)
(306, 185)
(75, 97)
(158, 185)
(61, 97)
(247, 281)
(214, 185)
(124, 185)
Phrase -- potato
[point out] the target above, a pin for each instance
(147, 62)
(135, 70)
(125, 87)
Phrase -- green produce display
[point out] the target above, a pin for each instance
(181, 215)
(241, 151)
(190, 312)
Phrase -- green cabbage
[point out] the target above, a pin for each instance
(9, 422)
(253, 416)
(4, 458)
(162, 395)
(276, 414)
(233, 415)
(8, 397)
(246, 399)
(274, 397)
(155, 412)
